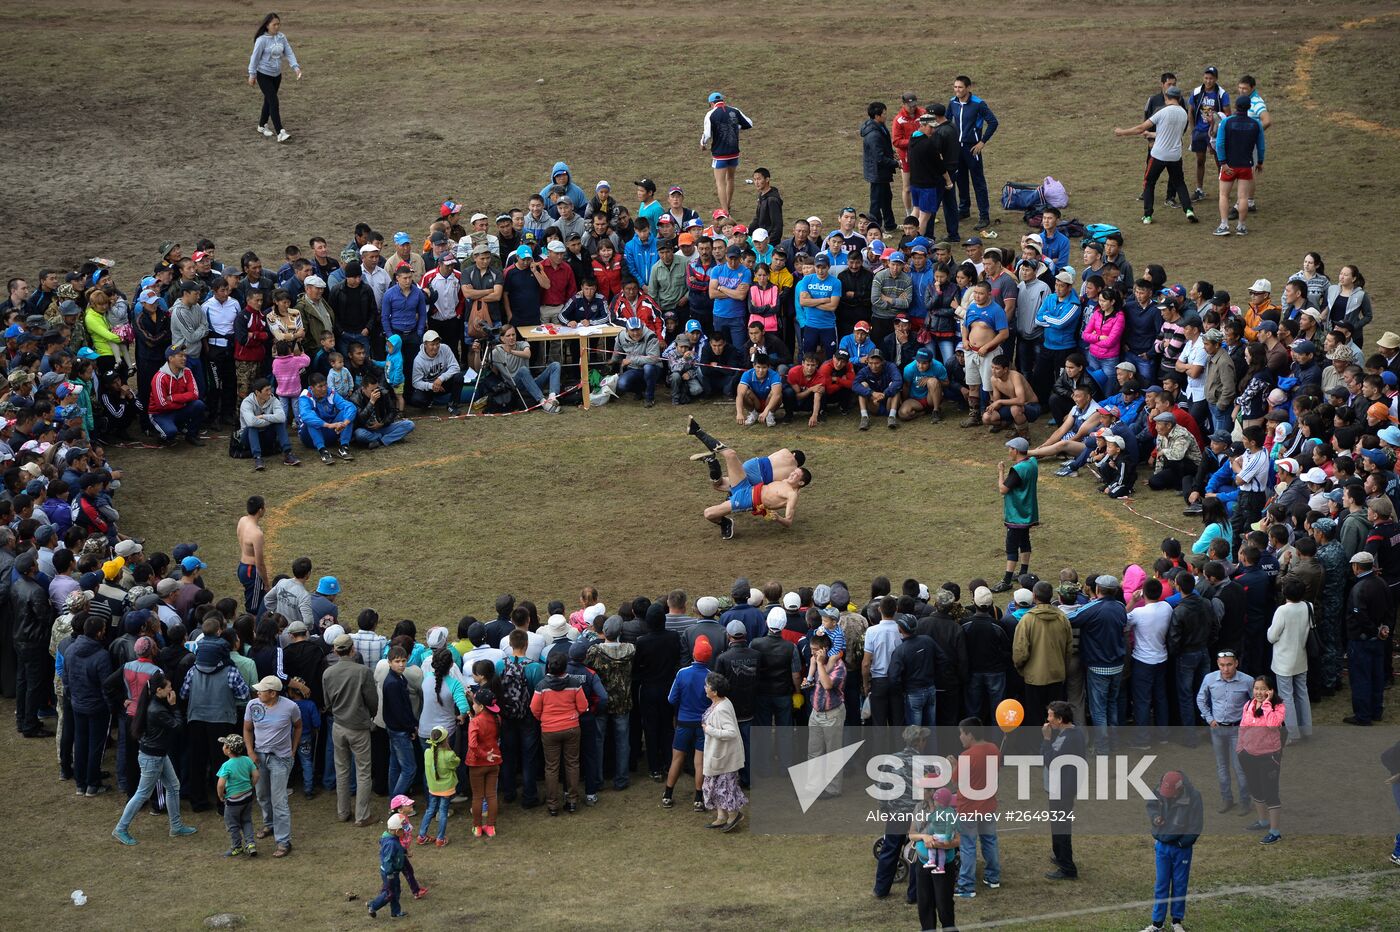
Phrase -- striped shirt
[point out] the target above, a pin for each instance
(1254, 471)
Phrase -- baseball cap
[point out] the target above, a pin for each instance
(896, 256)
(1211, 69)
(924, 353)
(368, 248)
(1267, 326)
(1174, 91)
(314, 281)
(1065, 275)
(875, 354)
(402, 239)
(127, 548)
(431, 336)
(1304, 346)
(556, 246)
(777, 618)
(1019, 444)
(760, 234)
(973, 241)
(1172, 780)
(736, 629)
(733, 252)
(792, 601)
(634, 323)
(862, 325)
(693, 326)
(268, 684)
(715, 97)
(1262, 286)
(1315, 476)
(524, 253)
(190, 564)
(909, 97)
(645, 183)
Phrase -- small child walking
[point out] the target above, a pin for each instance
(300, 693)
(402, 807)
(440, 769)
(288, 363)
(392, 860)
(237, 777)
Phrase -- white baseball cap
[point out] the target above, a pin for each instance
(368, 248)
(777, 618)
(760, 235)
(431, 336)
(476, 217)
(1262, 284)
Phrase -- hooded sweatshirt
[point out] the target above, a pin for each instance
(575, 193)
(427, 368)
(558, 702)
(171, 392)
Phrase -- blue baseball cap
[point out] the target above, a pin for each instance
(183, 550)
(877, 246)
(148, 281)
(693, 326)
(897, 256)
(190, 564)
(87, 352)
(634, 323)
(402, 239)
(925, 354)
(13, 331)
(328, 585)
(524, 253)
(716, 97)
(919, 241)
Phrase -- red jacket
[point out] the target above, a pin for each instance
(172, 392)
(609, 277)
(902, 127)
(483, 741)
(558, 704)
(645, 310)
(250, 337)
(833, 382)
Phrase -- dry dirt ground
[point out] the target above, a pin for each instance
(130, 123)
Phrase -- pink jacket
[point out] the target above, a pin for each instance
(1258, 734)
(1105, 337)
(286, 370)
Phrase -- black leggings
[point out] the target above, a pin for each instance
(268, 84)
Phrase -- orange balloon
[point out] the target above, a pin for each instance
(1009, 715)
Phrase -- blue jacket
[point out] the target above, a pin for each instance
(1239, 141)
(640, 257)
(973, 120)
(752, 617)
(318, 412)
(688, 692)
(86, 664)
(1101, 640)
(1143, 326)
(1060, 318)
(922, 282)
(575, 192)
(60, 513)
(1056, 250)
(404, 312)
(888, 380)
(391, 854)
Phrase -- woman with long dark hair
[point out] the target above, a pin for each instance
(155, 727)
(270, 48)
(1252, 402)
(1259, 749)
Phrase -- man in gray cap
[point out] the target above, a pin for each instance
(1167, 126)
(351, 698)
(1020, 508)
(1370, 614)
(1102, 652)
(1178, 455)
(739, 664)
(612, 660)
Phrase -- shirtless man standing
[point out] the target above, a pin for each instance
(1013, 399)
(252, 562)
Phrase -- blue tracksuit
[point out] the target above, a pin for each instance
(887, 380)
(1056, 251)
(975, 123)
(640, 257)
(313, 414)
(1060, 318)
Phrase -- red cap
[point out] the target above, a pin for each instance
(1170, 787)
(862, 325)
(719, 214)
(740, 228)
(200, 255)
(701, 650)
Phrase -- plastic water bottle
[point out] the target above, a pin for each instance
(79, 898)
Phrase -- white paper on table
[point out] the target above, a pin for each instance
(588, 331)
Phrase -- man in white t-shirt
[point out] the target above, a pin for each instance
(1192, 364)
(1148, 625)
(1168, 125)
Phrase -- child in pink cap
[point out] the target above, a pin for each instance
(402, 806)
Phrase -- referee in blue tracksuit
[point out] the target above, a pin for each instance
(975, 124)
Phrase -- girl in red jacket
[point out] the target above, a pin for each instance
(484, 758)
(607, 271)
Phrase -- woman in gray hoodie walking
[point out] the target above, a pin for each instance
(270, 47)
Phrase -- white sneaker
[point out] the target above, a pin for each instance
(264, 130)
(752, 419)
(553, 399)
(283, 136)
(770, 420)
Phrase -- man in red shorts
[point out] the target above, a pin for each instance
(1239, 145)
